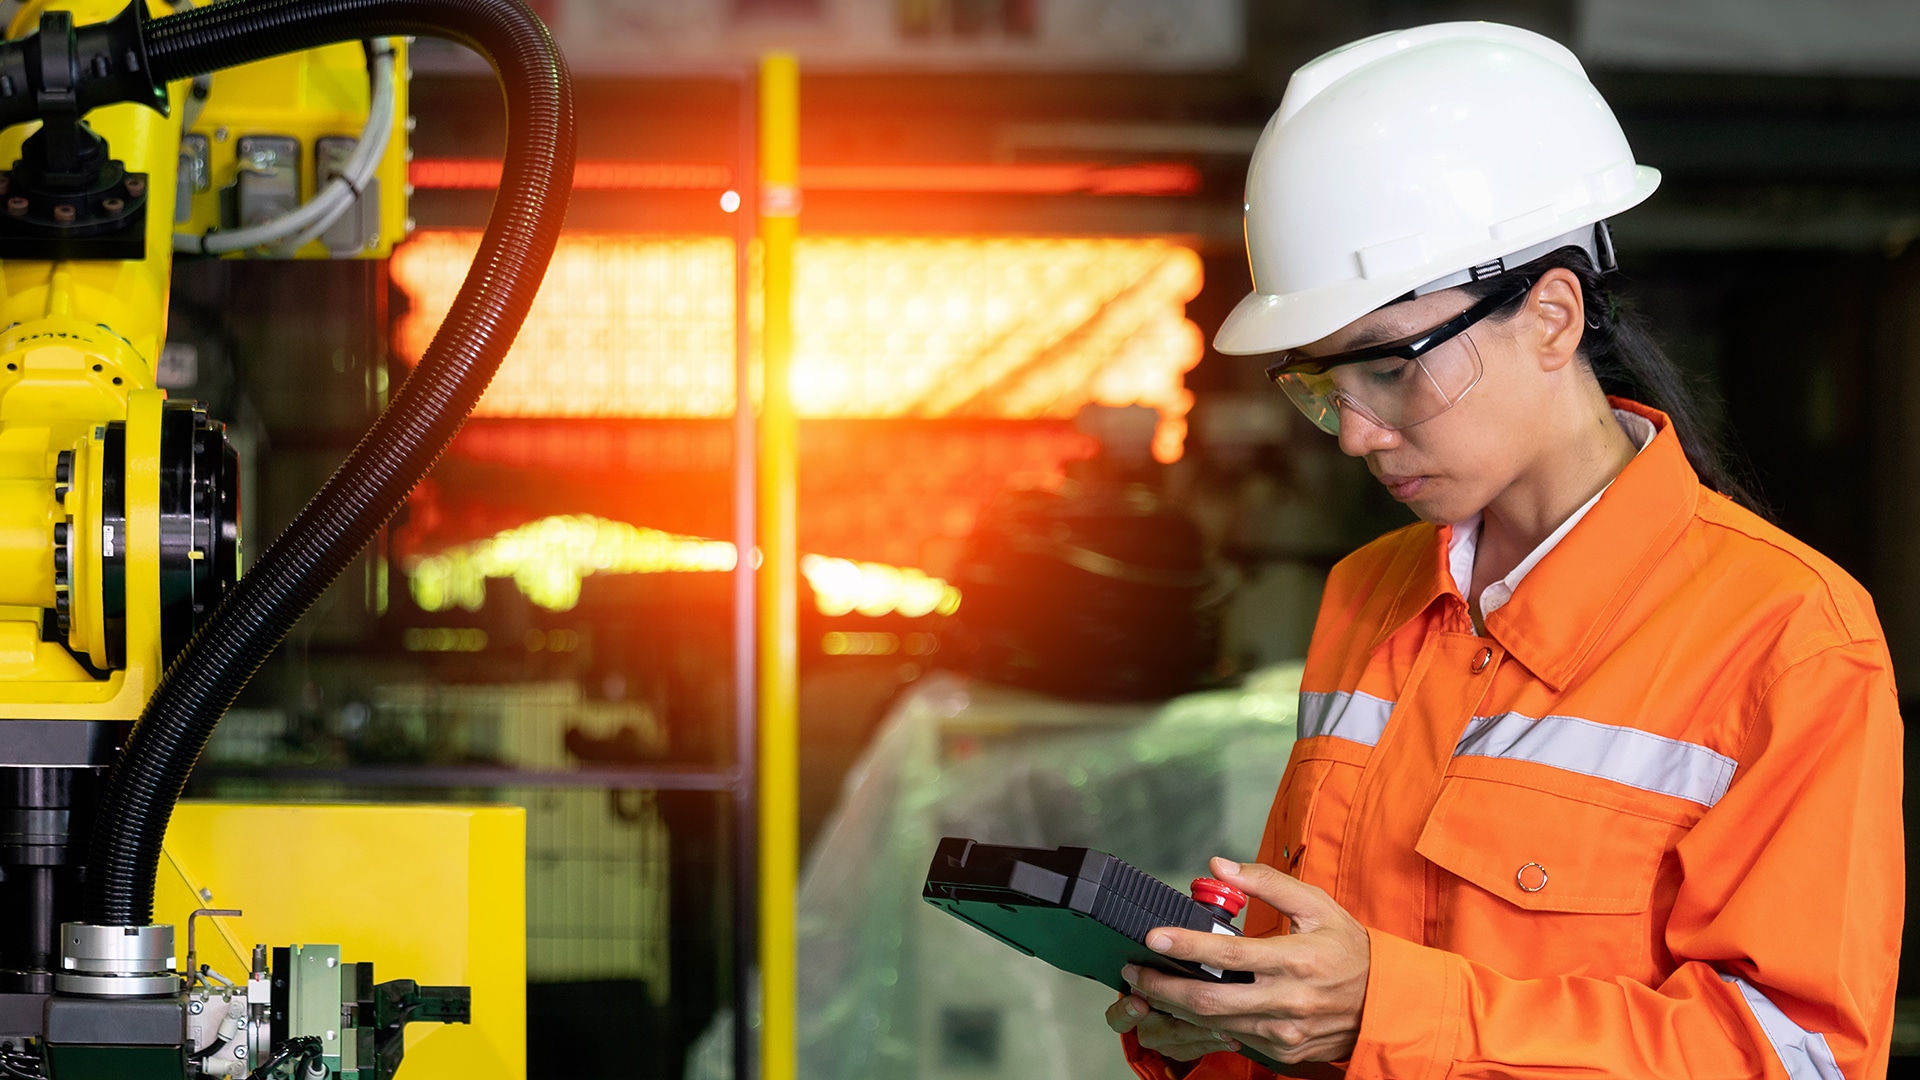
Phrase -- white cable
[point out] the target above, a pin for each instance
(318, 214)
(359, 168)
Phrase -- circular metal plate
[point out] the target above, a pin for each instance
(68, 982)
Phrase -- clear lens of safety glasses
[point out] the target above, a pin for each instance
(1392, 392)
(1397, 384)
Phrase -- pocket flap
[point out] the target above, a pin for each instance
(1293, 807)
(1545, 852)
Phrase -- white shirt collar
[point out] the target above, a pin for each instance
(1466, 534)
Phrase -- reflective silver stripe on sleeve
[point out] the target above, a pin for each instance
(1805, 1054)
(1353, 716)
(1636, 758)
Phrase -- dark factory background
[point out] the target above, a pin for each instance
(1777, 263)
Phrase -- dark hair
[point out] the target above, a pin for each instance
(1623, 354)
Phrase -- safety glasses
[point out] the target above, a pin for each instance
(1397, 384)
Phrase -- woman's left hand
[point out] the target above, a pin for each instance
(1309, 985)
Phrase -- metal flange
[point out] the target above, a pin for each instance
(117, 961)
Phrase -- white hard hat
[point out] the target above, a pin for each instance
(1422, 159)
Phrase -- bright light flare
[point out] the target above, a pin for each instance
(549, 558)
(989, 327)
(842, 587)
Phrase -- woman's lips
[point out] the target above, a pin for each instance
(1404, 488)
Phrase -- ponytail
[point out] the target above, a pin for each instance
(1621, 352)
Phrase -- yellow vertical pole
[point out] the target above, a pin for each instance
(779, 611)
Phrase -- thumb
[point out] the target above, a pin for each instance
(1304, 905)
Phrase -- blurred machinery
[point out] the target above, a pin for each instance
(603, 445)
(1095, 591)
(272, 128)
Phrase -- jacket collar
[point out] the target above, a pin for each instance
(1558, 614)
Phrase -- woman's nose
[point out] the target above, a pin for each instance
(1360, 435)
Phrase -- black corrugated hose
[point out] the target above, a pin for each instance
(403, 443)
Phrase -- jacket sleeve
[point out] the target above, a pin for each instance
(1785, 931)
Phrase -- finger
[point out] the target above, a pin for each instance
(1124, 1015)
(1182, 1016)
(1159, 1013)
(1304, 905)
(1228, 952)
(1177, 1038)
(1187, 1051)
(1202, 1040)
(1167, 1026)
(1224, 1028)
(1193, 997)
(1316, 1048)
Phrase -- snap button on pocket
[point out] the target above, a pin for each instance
(1481, 661)
(1533, 882)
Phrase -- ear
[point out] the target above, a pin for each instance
(1562, 315)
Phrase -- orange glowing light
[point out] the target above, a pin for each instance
(483, 174)
(985, 327)
(622, 326)
(1018, 178)
(1156, 178)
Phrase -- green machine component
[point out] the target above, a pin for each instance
(319, 991)
(339, 1016)
(104, 1039)
(308, 1015)
(115, 1062)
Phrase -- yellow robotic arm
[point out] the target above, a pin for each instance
(94, 547)
(119, 596)
(78, 406)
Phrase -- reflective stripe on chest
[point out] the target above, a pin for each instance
(1624, 755)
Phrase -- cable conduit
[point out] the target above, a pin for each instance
(403, 443)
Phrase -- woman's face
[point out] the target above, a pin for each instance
(1452, 466)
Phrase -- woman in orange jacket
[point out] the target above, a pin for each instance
(1598, 772)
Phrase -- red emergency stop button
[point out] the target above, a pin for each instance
(1219, 894)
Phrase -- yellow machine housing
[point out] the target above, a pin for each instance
(435, 893)
(78, 352)
(307, 97)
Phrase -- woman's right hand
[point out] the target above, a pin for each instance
(1171, 1037)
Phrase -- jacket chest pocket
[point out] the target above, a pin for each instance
(1551, 877)
(1310, 812)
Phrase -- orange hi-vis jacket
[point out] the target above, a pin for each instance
(1648, 825)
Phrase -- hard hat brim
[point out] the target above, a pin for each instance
(1268, 322)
